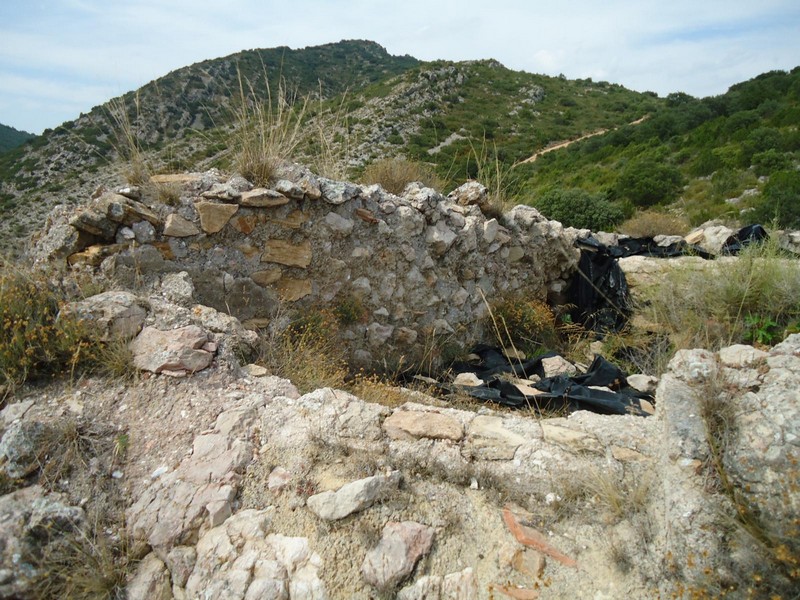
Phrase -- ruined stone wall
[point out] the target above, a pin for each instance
(401, 272)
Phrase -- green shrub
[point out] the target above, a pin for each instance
(780, 200)
(579, 208)
(770, 161)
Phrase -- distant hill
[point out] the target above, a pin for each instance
(10, 138)
(596, 144)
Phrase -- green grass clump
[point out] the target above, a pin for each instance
(753, 299)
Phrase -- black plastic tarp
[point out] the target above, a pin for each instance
(555, 392)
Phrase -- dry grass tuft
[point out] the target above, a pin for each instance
(86, 566)
(305, 351)
(650, 223)
(266, 131)
(754, 299)
(394, 174)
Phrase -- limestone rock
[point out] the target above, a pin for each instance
(487, 439)
(557, 365)
(402, 544)
(644, 383)
(410, 425)
(240, 560)
(200, 491)
(176, 226)
(94, 255)
(290, 189)
(740, 355)
(179, 178)
(267, 276)
(175, 350)
(151, 580)
(570, 439)
(110, 315)
(468, 379)
(440, 238)
(262, 198)
(286, 253)
(338, 224)
(178, 288)
(454, 586)
(471, 192)
(106, 213)
(337, 192)
(353, 497)
(214, 216)
(23, 446)
(291, 289)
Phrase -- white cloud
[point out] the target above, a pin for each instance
(86, 47)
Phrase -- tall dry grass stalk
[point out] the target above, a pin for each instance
(493, 174)
(126, 141)
(267, 130)
(333, 145)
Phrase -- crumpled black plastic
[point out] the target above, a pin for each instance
(599, 291)
(560, 392)
(752, 234)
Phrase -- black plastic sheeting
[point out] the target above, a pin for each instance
(599, 291)
(752, 234)
(558, 392)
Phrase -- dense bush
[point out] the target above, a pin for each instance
(648, 182)
(33, 341)
(781, 200)
(579, 208)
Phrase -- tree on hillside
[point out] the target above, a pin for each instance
(647, 182)
(781, 200)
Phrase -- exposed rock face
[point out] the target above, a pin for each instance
(416, 266)
(110, 315)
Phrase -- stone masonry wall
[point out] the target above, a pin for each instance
(404, 270)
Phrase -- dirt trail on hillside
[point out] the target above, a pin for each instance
(564, 144)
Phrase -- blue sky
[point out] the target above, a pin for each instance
(59, 58)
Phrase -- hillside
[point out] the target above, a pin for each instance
(610, 151)
(703, 158)
(378, 105)
(10, 138)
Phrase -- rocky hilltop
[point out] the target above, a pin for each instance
(215, 478)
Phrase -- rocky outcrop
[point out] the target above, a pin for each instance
(397, 269)
(324, 495)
